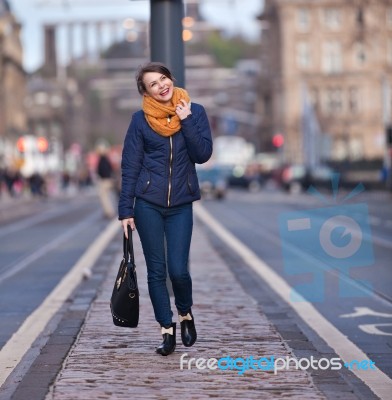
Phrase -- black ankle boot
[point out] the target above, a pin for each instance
(188, 329)
(169, 340)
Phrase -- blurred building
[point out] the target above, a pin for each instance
(221, 90)
(74, 98)
(12, 85)
(95, 87)
(327, 77)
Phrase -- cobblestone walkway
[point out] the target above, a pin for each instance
(109, 362)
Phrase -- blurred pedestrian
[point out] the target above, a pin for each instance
(13, 181)
(159, 183)
(84, 178)
(105, 181)
(37, 185)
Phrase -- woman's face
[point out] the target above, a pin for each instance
(159, 87)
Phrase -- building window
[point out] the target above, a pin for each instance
(356, 148)
(389, 17)
(41, 98)
(332, 18)
(332, 57)
(267, 105)
(303, 19)
(389, 52)
(360, 18)
(353, 100)
(334, 101)
(304, 59)
(360, 54)
(340, 151)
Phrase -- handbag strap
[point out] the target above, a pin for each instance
(129, 256)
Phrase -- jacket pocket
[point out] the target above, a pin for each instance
(193, 184)
(143, 182)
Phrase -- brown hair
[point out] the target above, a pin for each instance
(151, 67)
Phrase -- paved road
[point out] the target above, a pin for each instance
(262, 325)
(39, 242)
(366, 320)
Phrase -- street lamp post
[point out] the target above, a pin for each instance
(166, 43)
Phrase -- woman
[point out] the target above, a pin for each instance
(159, 183)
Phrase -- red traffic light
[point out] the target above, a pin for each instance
(278, 140)
(42, 144)
(21, 144)
(30, 143)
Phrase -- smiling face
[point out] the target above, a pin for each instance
(159, 87)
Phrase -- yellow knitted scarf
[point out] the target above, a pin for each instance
(162, 118)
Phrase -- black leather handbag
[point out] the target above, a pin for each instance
(124, 302)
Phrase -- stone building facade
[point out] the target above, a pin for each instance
(12, 83)
(330, 61)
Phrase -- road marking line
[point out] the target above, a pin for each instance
(365, 311)
(10, 270)
(26, 222)
(21, 341)
(376, 380)
(372, 329)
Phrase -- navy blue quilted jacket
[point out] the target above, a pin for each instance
(161, 169)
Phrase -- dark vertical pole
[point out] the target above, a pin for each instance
(167, 45)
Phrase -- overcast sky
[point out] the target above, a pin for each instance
(234, 16)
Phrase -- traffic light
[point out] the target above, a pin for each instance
(21, 144)
(42, 144)
(26, 144)
(278, 140)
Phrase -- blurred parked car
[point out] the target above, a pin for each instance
(297, 177)
(248, 177)
(213, 181)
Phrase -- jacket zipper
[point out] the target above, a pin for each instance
(170, 171)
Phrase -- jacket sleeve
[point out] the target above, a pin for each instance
(131, 163)
(197, 134)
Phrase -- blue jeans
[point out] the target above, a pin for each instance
(155, 224)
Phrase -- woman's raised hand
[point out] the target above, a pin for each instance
(182, 109)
